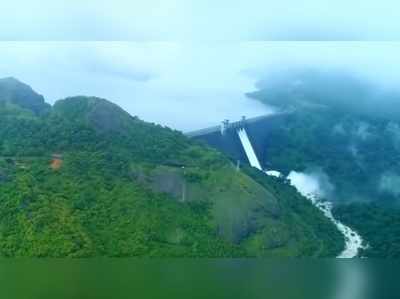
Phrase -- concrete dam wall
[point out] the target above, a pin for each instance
(227, 141)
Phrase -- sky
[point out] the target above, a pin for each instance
(171, 20)
(188, 64)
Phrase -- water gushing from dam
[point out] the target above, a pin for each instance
(233, 139)
(310, 188)
(248, 148)
(353, 241)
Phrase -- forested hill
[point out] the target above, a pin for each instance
(346, 131)
(84, 178)
(346, 127)
(16, 93)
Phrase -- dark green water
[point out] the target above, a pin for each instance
(199, 278)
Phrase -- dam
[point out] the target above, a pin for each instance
(248, 140)
(245, 140)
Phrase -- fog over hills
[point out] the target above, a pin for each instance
(14, 92)
(189, 85)
(179, 20)
(84, 178)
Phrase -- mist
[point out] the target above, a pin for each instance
(312, 182)
(179, 20)
(323, 87)
(390, 183)
(190, 64)
(189, 85)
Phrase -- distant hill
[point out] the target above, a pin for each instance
(85, 178)
(344, 125)
(14, 92)
(345, 92)
(346, 130)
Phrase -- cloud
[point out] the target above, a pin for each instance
(390, 183)
(185, 85)
(312, 183)
(306, 184)
(199, 20)
(363, 130)
(117, 65)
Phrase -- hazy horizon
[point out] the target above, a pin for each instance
(188, 64)
(199, 20)
(186, 86)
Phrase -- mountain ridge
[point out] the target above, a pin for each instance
(75, 186)
(18, 93)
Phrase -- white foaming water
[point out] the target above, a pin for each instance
(273, 173)
(248, 148)
(309, 187)
(352, 279)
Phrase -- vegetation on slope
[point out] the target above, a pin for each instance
(347, 131)
(378, 224)
(299, 220)
(14, 92)
(87, 179)
(333, 127)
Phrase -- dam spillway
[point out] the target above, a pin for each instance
(248, 148)
(248, 141)
(226, 139)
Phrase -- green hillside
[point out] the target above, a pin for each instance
(14, 92)
(346, 131)
(84, 178)
(330, 128)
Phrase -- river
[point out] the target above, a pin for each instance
(309, 187)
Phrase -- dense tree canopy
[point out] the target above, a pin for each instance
(87, 179)
(349, 130)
